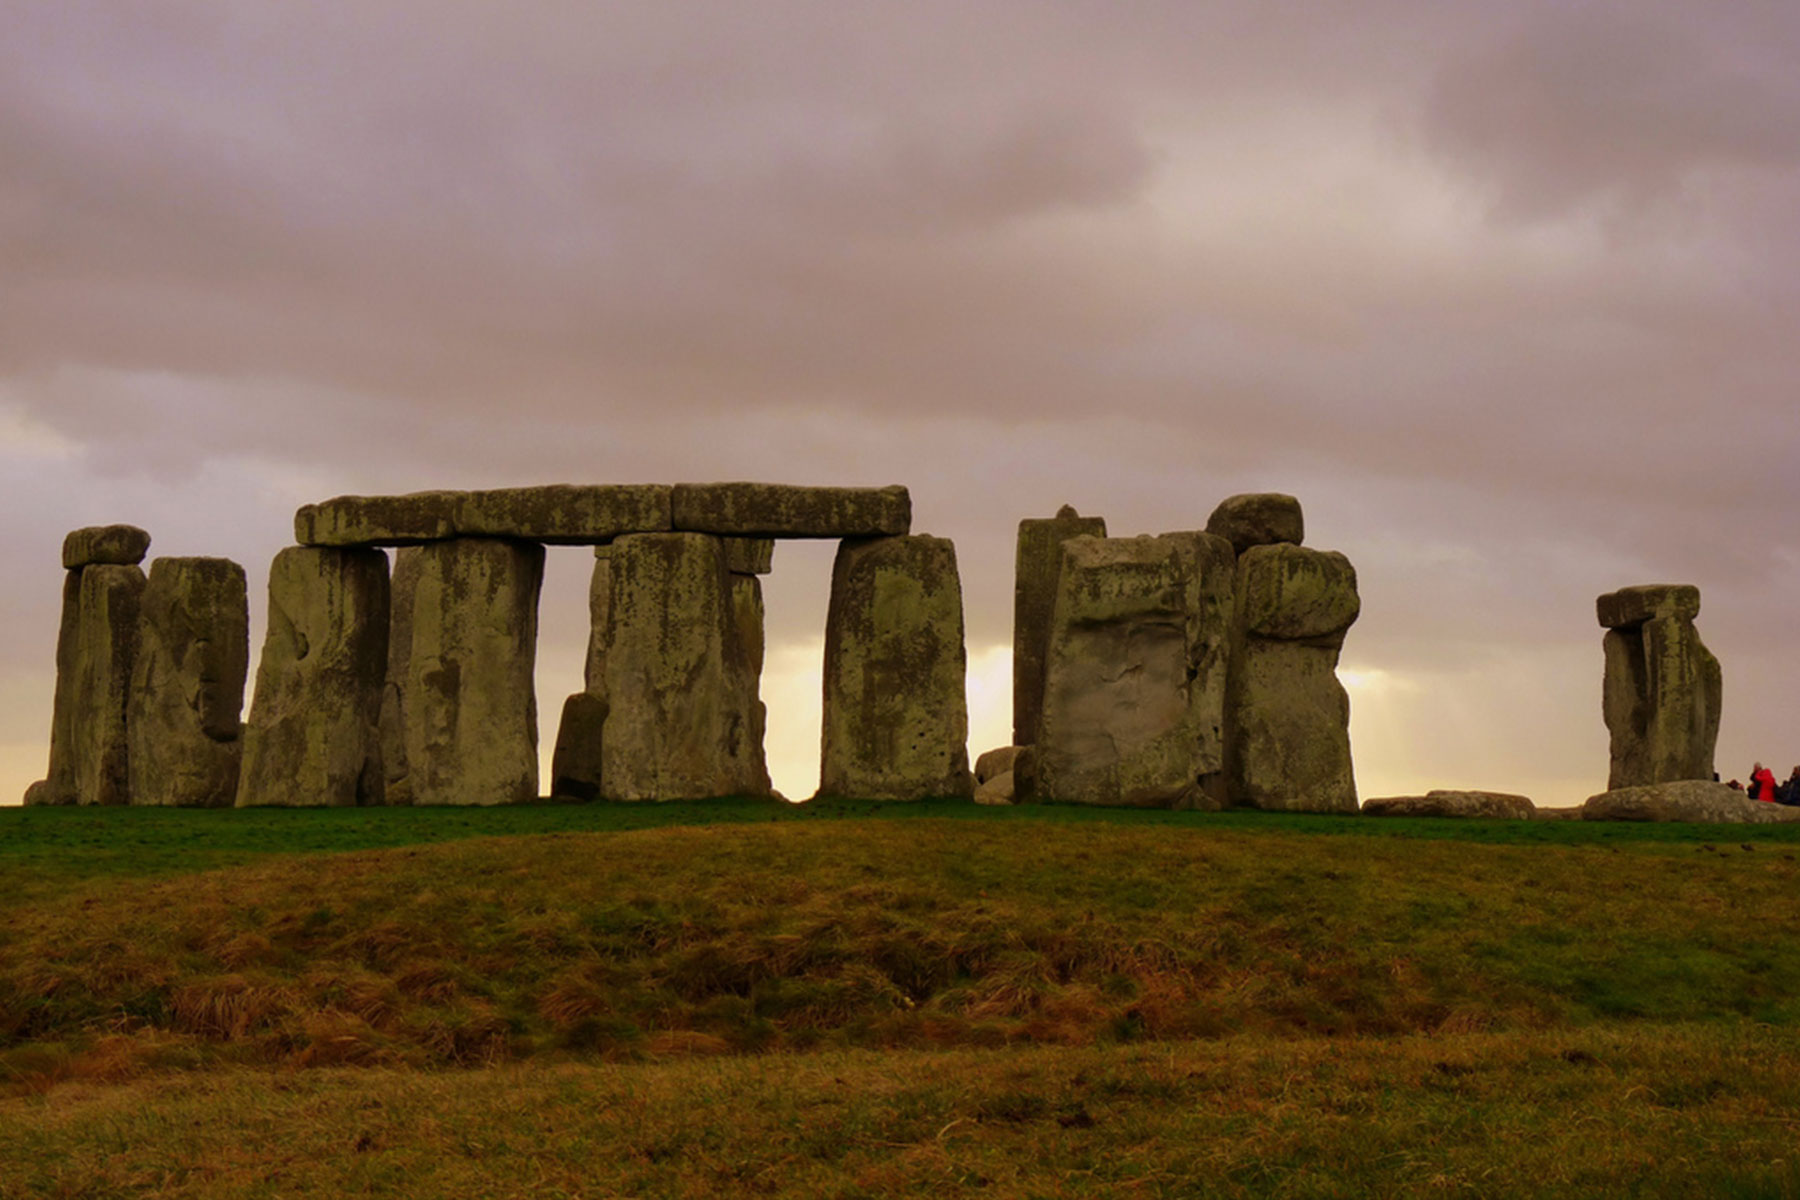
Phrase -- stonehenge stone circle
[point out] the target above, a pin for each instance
(106, 644)
(1662, 689)
(105, 545)
(314, 735)
(896, 722)
(1287, 739)
(1258, 519)
(469, 697)
(187, 686)
(1035, 567)
(676, 727)
(1126, 718)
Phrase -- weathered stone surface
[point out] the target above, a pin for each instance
(564, 514)
(314, 735)
(402, 591)
(677, 726)
(1122, 723)
(1697, 800)
(783, 510)
(996, 791)
(1211, 571)
(599, 622)
(1035, 566)
(471, 707)
(58, 784)
(1489, 805)
(1287, 717)
(1291, 593)
(105, 649)
(109, 545)
(1258, 519)
(896, 723)
(576, 765)
(362, 521)
(184, 723)
(749, 556)
(1661, 695)
(1634, 605)
(746, 664)
(998, 761)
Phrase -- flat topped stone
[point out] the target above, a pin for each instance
(1648, 602)
(1257, 519)
(784, 510)
(1293, 593)
(113, 545)
(1448, 803)
(557, 514)
(365, 521)
(565, 514)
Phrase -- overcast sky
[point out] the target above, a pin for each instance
(1507, 293)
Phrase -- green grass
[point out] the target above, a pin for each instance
(1652, 1111)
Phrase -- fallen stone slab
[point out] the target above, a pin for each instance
(785, 510)
(1631, 606)
(314, 734)
(1258, 519)
(110, 545)
(185, 723)
(996, 762)
(564, 514)
(997, 791)
(1450, 803)
(1697, 800)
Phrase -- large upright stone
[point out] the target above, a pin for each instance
(105, 648)
(471, 707)
(58, 784)
(105, 545)
(1035, 565)
(676, 726)
(184, 724)
(783, 510)
(402, 590)
(747, 617)
(1287, 718)
(1258, 519)
(313, 738)
(1662, 691)
(896, 723)
(599, 621)
(1134, 674)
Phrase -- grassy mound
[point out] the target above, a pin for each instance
(797, 934)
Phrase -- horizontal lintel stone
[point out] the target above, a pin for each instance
(1635, 605)
(557, 514)
(111, 545)
(785, 510)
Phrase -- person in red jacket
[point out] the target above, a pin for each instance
(1762, 783)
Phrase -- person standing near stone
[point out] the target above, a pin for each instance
(1762, 783)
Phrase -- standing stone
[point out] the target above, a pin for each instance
(314, 738)
(1133, 675)
(747, 616)
(599, 621)
(106, 643)
(1662, 691)
(401, 594)
(896, 724)
(471, 707)
(58, 784)
(1287, 718)
(577, 762)
(676, 726)
(1037, 560)
(187, 685)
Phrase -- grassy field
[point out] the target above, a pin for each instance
(862, 999)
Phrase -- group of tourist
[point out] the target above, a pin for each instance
(1763, 786)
